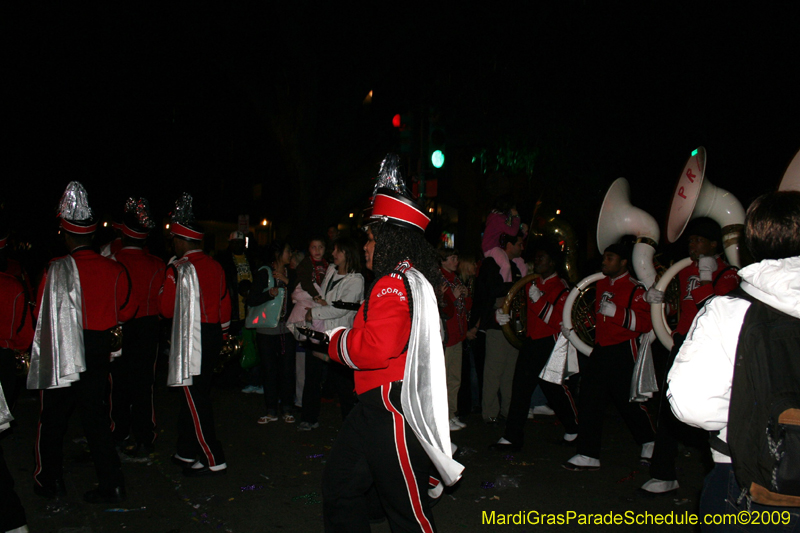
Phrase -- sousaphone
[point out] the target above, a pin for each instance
(791, 178)
(696, 197)
(617, 219)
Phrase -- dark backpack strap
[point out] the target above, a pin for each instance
(717, 444)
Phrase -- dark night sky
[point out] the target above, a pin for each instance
(133, 100)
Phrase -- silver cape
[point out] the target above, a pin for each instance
(185, 355)
(643, 381)
(563, 362)
(424, 393)
(57, 355)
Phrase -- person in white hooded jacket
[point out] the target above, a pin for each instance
(701, 378)
(342, 283)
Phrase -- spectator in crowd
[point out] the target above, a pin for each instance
(454, 306)
(343, 284)
(238, 267)
(501, 356)
(276, 346)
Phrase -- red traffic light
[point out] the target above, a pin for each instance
(397, 121)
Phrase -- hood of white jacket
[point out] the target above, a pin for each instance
(775, 282)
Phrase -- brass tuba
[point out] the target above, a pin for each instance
(22, 362)
(515, 304)
(231, 348)
(696, 197)
(617, 219)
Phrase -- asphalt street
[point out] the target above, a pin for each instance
(274, 475)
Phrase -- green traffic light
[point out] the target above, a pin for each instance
(437, 159)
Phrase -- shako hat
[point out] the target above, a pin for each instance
(137, 222)
(622, 249)
(391, 202)
(74, 212)
(182, 222)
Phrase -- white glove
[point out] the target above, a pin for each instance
(654, 296)
(501, 317)
(565, 330)
(608, 309)
(534, 293)
(706, 265)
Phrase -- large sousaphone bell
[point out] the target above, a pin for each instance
(696, 197)
(791, 178)
(617, 219)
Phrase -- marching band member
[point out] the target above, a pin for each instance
(455, 306)
(707, 276)
(545, 302)
(81, 298)
(195, 296)
(133, 374)
(621, 316)
(16, 333)
(400, 424)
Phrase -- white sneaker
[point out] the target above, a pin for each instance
(543, 410)
(530, 413)
(580, 463)
(458, 421)
(454, 425)
(659, 486)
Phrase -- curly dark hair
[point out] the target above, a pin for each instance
(394, 244)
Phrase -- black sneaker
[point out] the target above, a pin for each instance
(180, 461)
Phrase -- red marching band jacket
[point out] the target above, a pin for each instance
(105, 288)
(544, 315)
(16, 322)
(632, 317)
(376, 345)
(694, 295)
(147, 275)
(215, 302)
